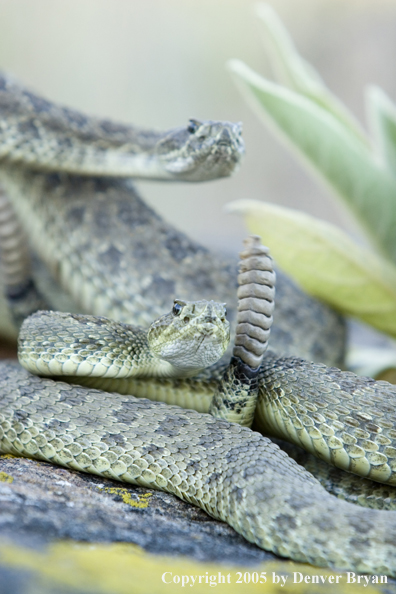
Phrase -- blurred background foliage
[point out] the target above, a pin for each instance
(360, 169)
(160, 62)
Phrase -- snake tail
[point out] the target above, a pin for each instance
(236, 397)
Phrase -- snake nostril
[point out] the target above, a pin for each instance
(186, 320)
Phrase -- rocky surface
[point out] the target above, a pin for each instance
(48, 502)
(43, 506)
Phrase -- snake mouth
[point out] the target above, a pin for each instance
(234, 146)
(227, 144)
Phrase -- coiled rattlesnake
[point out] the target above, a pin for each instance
(289, 522)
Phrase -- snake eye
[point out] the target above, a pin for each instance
(193, 126)
(177, 309)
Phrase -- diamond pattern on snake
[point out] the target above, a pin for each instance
(62, 175)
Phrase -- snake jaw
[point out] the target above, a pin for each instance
(178, 166)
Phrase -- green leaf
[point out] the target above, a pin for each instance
(293, 71)
(382, 116)
(326, 262)
(331, 150)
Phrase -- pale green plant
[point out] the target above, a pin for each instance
(360, 170)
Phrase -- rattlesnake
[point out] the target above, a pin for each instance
(234, 474)
(266, 497)
(140, 260)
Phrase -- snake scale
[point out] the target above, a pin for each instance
(233, 473)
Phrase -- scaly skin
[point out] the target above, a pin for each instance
(38, 134)
(148, 261)
(238, 477)
(34, 141)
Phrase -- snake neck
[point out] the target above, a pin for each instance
(74, 345)
(87, 346)
(38, 134)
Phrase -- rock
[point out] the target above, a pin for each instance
(50, 515)
(45, 501)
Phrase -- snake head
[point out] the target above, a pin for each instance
(204, 150)
(194, 335)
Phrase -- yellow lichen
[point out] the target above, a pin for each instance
(5, 478)
(142, 502)
(125, 568)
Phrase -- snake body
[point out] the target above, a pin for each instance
(235, 474)
(346, 420)
(42, 135)
(289, 522)
(134, 262)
